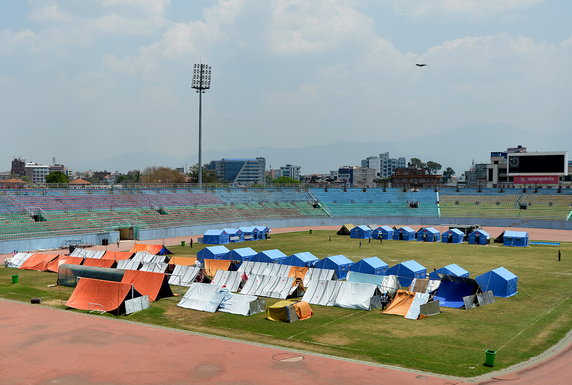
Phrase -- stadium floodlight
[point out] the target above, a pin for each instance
(201, 82)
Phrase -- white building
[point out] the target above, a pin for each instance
(289, 171)
(383, 165)
(372, 162)
(37, 172)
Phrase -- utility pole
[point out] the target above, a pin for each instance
(201, 82)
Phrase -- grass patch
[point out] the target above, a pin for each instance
(451, 343)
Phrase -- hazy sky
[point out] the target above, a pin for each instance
(96, 82)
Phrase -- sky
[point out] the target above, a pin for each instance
(105, 84)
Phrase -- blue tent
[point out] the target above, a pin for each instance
(502, 282)
(304, 259)
(479, 237)
(234, 235)
(361, 232)
(452, 269)
(242, 254)
(404, 234)
(261, 232)
(215, 237)
(271, 256)
(428, 234)
(452, 290)
(339, 263)
(406, 271)
(249, 233)
(385, 231)
(515, 238)
(371, 265)
(453, 236)
(213, 252)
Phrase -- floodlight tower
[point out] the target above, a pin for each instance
(201, 82)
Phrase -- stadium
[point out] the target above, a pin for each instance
(67, 220)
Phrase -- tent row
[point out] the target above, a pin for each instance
(232, 235)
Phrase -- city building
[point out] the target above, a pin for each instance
(409, 177)
(18, 167)
(354, 176)
(477, 175)
(239, 171)
(383, 165)
(372, 162)
(288, 171)
(36, 173)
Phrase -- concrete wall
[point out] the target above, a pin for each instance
(23, 245)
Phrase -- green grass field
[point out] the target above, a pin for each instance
(451, 343)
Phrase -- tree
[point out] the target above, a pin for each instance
(285, 180)
(57, 177)
(161, 175)
(416, 163)
(209, 176)
(432, 167)
(447, 174)
(132, 176)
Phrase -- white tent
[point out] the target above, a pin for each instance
(85, 253)
(146, 257)
(269, 286)
(128, 264)
(203, 297)
(361, 296)
(321, 292)
(318, 274)
(154, 267)
(184, 275)
(242, 304)
(229, 279)
(17, 260)
(264, 268)
(390, 285)
(415, 308)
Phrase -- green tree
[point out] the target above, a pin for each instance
(447, 174)
(285, 180)
(209, 176)
(416, 163)
(57, 177)
(161, 175)
(432, 167)
(131, 177)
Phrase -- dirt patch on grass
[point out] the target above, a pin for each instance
(333, 339)
(546, 332)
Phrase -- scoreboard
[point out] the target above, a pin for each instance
(537, 163)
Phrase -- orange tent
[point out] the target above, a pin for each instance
(151, 249)
(38, 262)
(298, 272)
(97, 294)
(98, 262)
(182, 261)
(154, 285)
(213, 265)
(303, 310)
(55, 264)
(401, 303)
(117, 255)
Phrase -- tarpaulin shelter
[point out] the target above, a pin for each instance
(128, 264)
(229, 279)
(360, 296)
(242, 254)
(117, 255)
(98, 262)
(322, 292)
(345, 229)
(452, 290)
(298, 272)
(17, 260)
(501, 281)
(386, 232)
(269, 286)
(270, 256)
(452, 269)
(155, 267)
(101, 295)
(184, 275)
(154, 285)
(339, 263)
(151, 249)
(38, 262)
(249, 233)
(361, 232)
(289, 311)
(401, 303)
(264, 268)
(452, 236)
(183, 261)
(68, 275)
(515, 238)
(374, 279)
(406, 271)
(146, 257)
(404, 233)
(479, 237)
(55, 264)
(215, 237)
(428, 234)
(203, 297)
(212, 252)
(211, 266)
(305, 258)
(234, 235)
(242, 304)
(371, 265)
(314, 274)
(86, 253)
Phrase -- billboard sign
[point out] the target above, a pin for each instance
(537, 163)
(536, 179)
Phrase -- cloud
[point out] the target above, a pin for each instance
(12, 42)
(462, 7)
